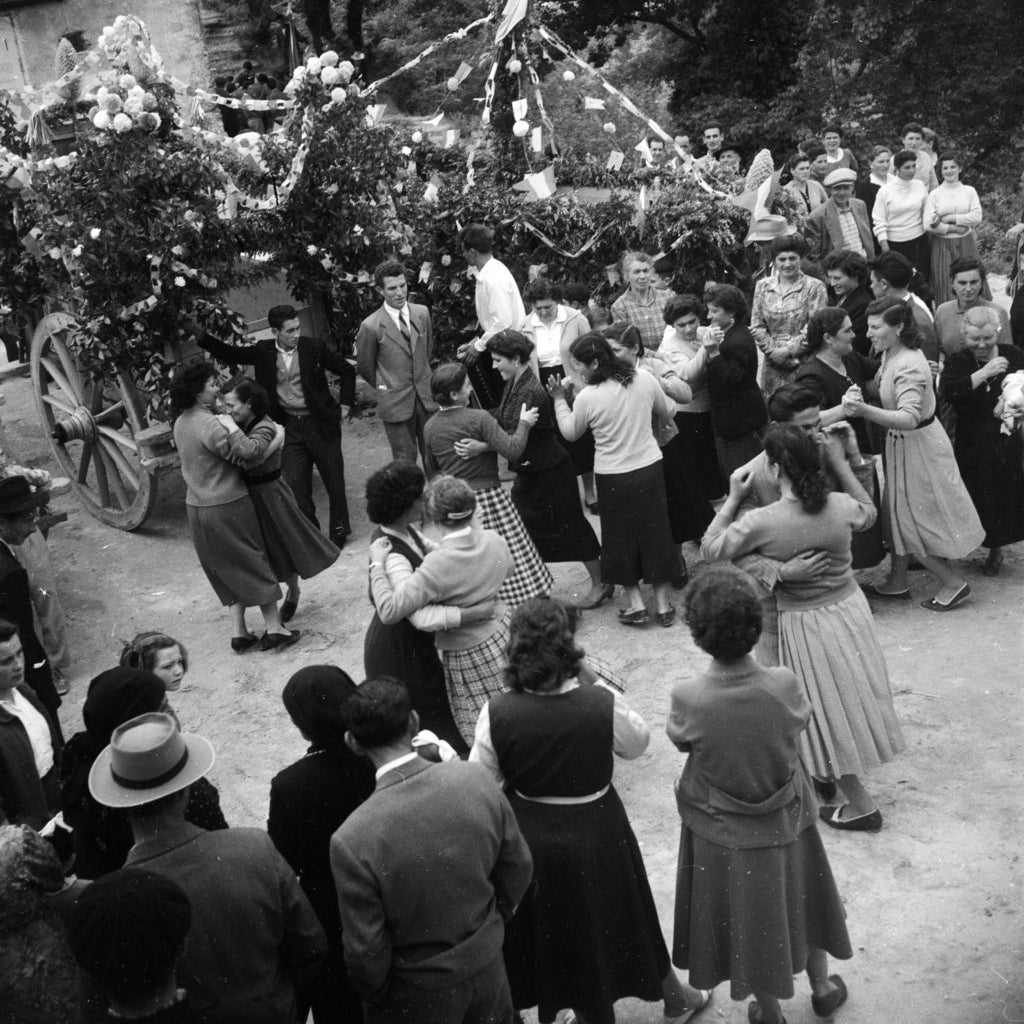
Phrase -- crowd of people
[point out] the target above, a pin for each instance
(452, 847)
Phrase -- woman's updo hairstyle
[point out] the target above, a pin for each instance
(897, 313)
(797, 455)
(789, 243)
(187, 384)
(904, 156)
(723, 611)
(252, 393)
(625, 334)
(542, 648)
(445, 381)
(825, 321)
(731, 300)
(141, 651)
(449, 501)
(593, 347)
(512, 345)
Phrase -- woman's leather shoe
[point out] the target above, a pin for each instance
(606, 592)
(863, 823)
(635, 617)
(827, 1005)
(275, 641)
(241, 644)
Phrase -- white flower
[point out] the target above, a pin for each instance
(290, 86)
(179, 282)
(95, 233)
(514, 66)
(446, 260)
(568, 76)
(112, 103)
(102, 120)
(609, 127)
(54, 253)
(346, 69)
(417, 137)
(101, 94)
(299, 73)
(520, 129)
(77, 251)
(122, 123)
(312, 250)
(313, 65)
(329, 58)
(177, 250)
(137, 90)
(149, 101)
(330, 76)
(338, 95)
(127, 81)
(453, 84)
(132, 106)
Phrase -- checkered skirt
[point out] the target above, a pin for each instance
(530, 576)
(475, 675)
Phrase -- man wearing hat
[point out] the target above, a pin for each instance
(840, 223)
(254, 938)
(19, 508)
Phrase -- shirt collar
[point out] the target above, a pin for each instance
(286, 352)
(396, 763)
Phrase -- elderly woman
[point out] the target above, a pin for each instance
(989, 459)
(544, 493)
(466, 568)
(156, 652)
(618, 404)
(738, 411)
(783, 303)
(755, 898)
(294, 545)
(809, 193)
(898, 213)
(102, 836)
(221, 517)
(587, 934)
(309, 800)
(683, 347)
(553, 326)
(641, 304)
(848, 275)
(689, 512)
(952, 212)
(928, 512)
(405, 649)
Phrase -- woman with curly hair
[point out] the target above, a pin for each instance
(826, 632)
(587, 933)
(221, 517)
(755, 898)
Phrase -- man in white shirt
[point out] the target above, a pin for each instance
(499, 306)
(29, 743)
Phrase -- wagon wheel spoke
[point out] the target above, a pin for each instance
(121, 439)
(68, 363)
(103, 414)
(83, 466)
(102, 483)
(122, 468)
(113, 476)
(58, 404)
(57, 376)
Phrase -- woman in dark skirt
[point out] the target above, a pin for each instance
(755, 899)
(587, 934)
(405, 650)
(618, 404)
(295, 547)
(545, 492)
(309, 800)
(989, 459)
(689, 512)
(225, 531)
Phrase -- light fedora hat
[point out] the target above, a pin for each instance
(148, 757)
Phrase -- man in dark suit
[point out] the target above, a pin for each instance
(291, 369)
(393, 349)
(840, 223)
(19, 507)
(427, 871)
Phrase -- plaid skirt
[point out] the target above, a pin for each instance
(530, 577)
(474, 675)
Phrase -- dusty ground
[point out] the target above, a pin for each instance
(934, 901)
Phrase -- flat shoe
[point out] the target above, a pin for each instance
(688, 1015)
(275, 641)
(607, 592)
(288, 609)
(754, 1014)
(241, 644)
(993, 565)
(872, 591)
(937, 606)
(666, 618)
(827, 1005)
(826, 789)
(638, 617)
(863, 823)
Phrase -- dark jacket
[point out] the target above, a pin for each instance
(25, 799)
(16, 608)
(856, 304)
(315, 356)
(737, 406)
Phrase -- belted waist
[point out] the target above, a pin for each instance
(920, 426)
(565, 800)
(265, 478)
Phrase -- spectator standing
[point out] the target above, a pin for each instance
(924, 159)
(836, 157)
(641, 304)
(898, 214)
(968, 283)
(842, 223)
(866, 189)
(848, 275)
(1015, 285)
(428, 869)
(891, 277)
(809, 193)
(713, 139)
(951, 215)
(393, 349)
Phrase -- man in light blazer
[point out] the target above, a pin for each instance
(393, 349)
(428, 869)
(841, 223)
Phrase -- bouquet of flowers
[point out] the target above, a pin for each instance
(1010, 408)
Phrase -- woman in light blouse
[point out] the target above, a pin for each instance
(898, 213)
(951, 214)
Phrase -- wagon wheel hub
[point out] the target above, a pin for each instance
(79, 426)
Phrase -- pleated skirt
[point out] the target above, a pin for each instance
(230, 547)
(751, 916)
(587, 932)
(294, 545)
(530, 577)
(927, 507)
(474, 675)
(835, 653)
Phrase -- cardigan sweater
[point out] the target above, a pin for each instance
(205, 447)
(453, 424)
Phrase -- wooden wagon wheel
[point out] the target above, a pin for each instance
(93, 428)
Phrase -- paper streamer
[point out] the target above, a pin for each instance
(555, 247)
(485, 114)
(408, 65)
(688, 161)
(545, 120)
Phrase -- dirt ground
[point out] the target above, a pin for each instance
(934, 900)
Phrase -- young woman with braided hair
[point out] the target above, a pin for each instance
(826, 632)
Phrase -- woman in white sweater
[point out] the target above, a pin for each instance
(898, 214)
(951, 213)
